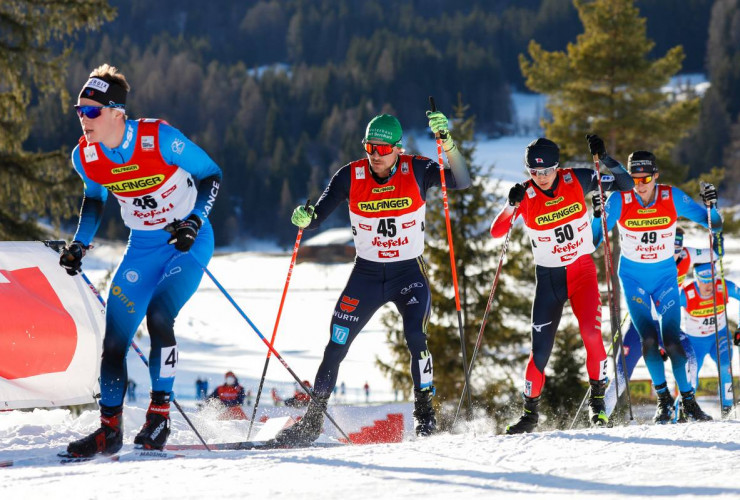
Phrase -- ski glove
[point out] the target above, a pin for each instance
(184, 232)
(596, 145)
(596, 202)
(302, 217)
(516, 194)
(736, 338)
(71, 257)
(708, 193)
(440, 125)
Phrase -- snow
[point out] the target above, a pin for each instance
(696, 460)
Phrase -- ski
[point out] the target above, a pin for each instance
(251, 445)
(63, 458)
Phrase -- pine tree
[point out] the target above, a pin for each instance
(34, 184)
(605, 83)
(471, 211)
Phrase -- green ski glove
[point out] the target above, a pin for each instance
(302, 217)
(440, 125)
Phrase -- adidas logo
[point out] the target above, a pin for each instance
(412, 301)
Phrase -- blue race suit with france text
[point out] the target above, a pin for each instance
(157, 175)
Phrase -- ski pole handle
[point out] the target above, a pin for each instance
(438, 135)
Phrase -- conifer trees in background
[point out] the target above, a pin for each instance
(36, 184)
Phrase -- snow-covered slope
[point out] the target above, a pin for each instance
(682, 461)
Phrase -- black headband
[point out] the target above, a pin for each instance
(106, 93)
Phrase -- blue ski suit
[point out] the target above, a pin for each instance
(158, 175)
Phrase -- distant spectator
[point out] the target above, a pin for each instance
(201, 389)
(231, 396)
(275, 397)
(367, 392)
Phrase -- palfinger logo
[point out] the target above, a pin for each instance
(133, 185)
(381, 205)
(558, 215)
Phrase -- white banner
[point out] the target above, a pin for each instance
(51, 330)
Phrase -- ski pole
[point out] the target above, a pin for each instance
(142, 356)
(613, 314)
(277, 322)
(485, 317)
(616, 387)
(714, 300)
(727, 324)
(439, 136)
(269, 346)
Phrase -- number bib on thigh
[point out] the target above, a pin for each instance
(387, 219)
(647, 234)
(150, 191)
(559, 228)
(698, 315)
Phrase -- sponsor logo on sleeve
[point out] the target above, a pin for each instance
(607, 178)
(177, 146)
(131, 275)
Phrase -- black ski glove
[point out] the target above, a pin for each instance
(516, 194)
(596, 202)
(708, 193)
(184, 232)
(71, 257)
(736, 338)
(596, 145)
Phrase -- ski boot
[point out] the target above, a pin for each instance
(153, 435)
(107, 440)
(426, 421)
(596, 405)
(307, 430)
(528, 421)
(664, 411)
(690, 408)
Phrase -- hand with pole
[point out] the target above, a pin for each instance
(309, 210)
(709, 196)
(441, 137)
(596, 147)
(479, 340)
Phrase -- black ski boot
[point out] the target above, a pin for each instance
(153, 435)
(726, 410)
(596, 404)
(107, 440)
(528, 421)
(690, 408)
(307, 430)
(426, 420)
(664, 411)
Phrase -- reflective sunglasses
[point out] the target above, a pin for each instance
(382, 149)
(542, 171)
(93, 112)
(643, 180)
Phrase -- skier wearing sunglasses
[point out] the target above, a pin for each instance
(166, 187)
(647, 218)
(386, 193)
(556, 218)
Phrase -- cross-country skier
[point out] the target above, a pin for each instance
(684, 257)
(553, 206)
(699, 324)
(647, 219)
(386, 192)
(162, 181)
